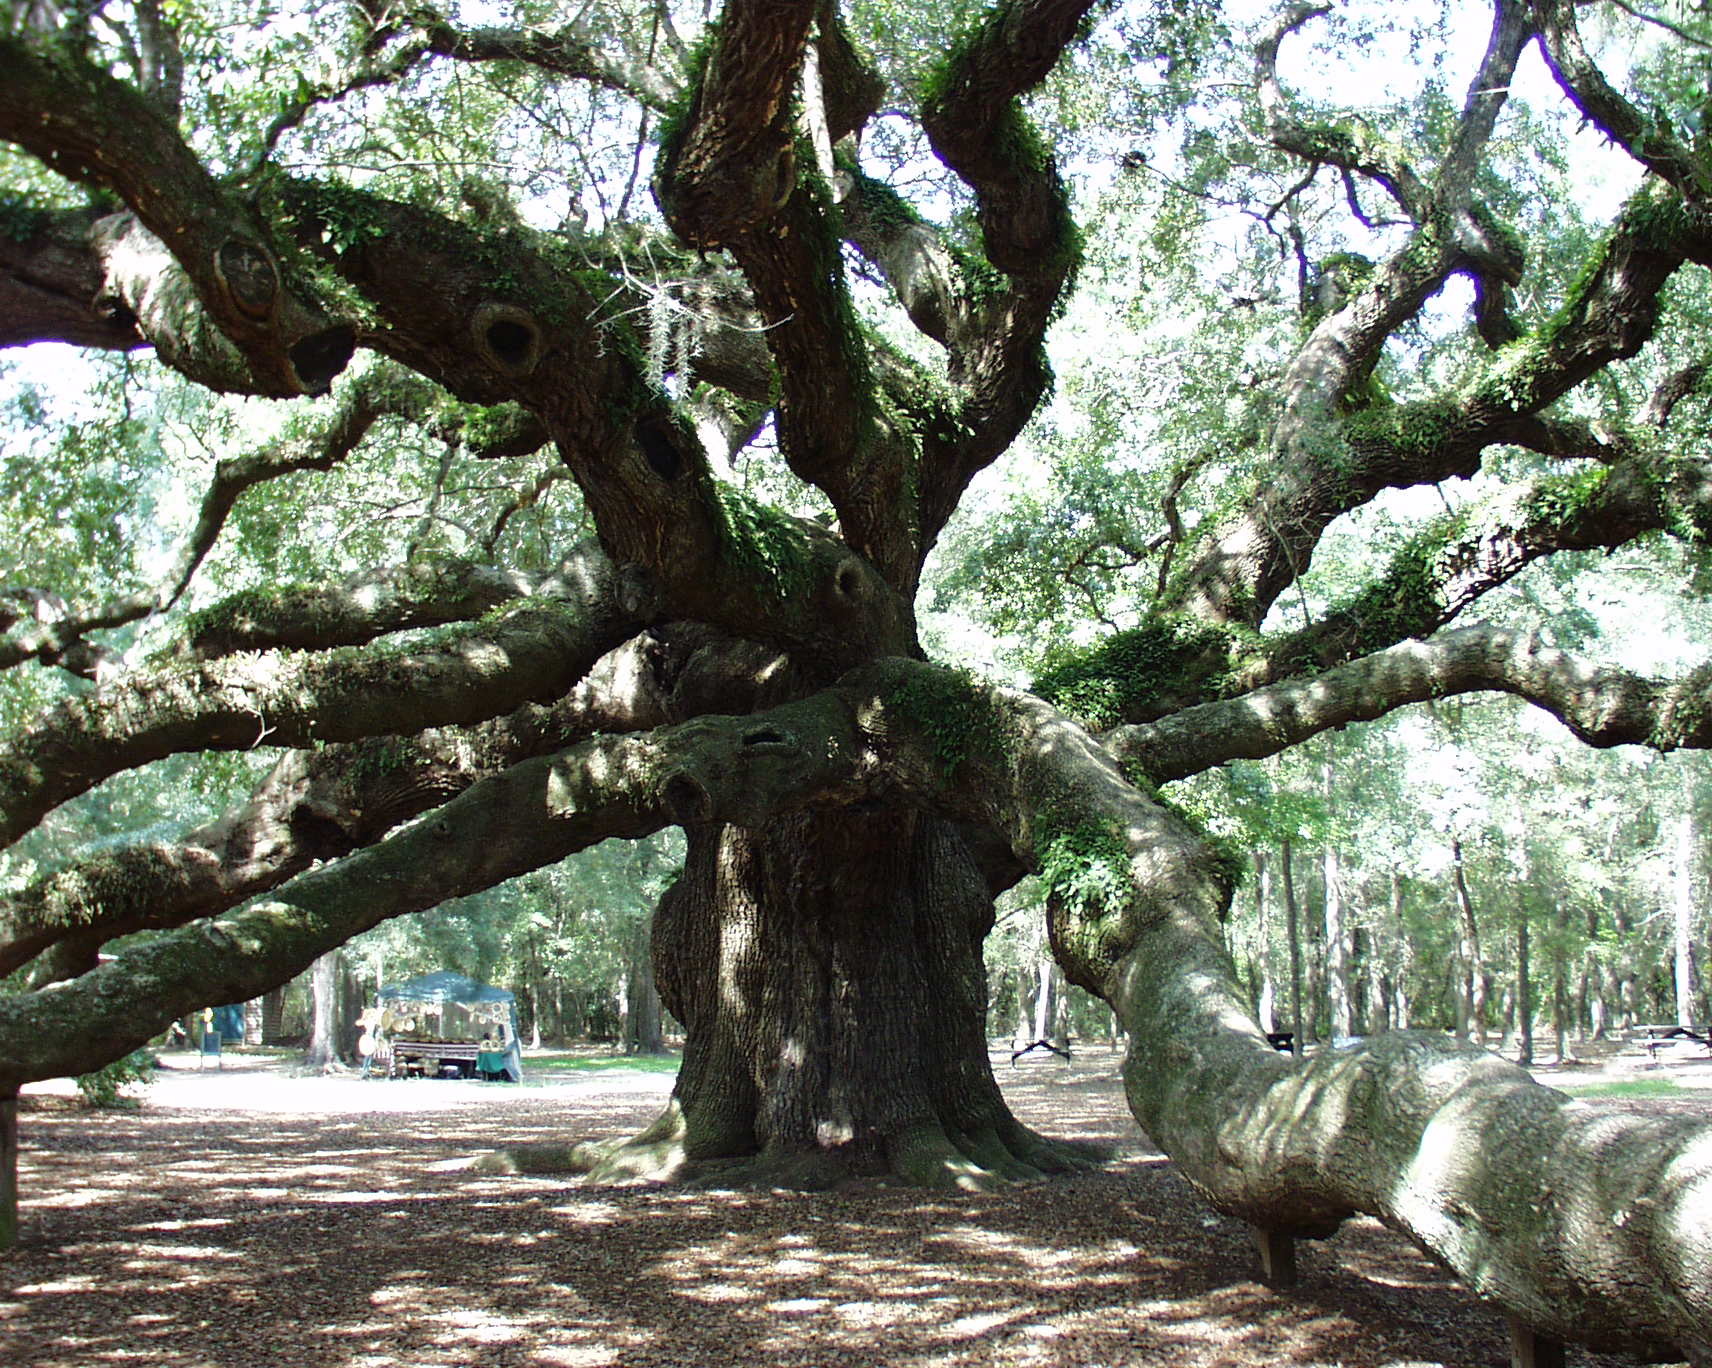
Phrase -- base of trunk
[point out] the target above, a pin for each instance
(828, 975)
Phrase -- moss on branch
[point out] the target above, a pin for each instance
(1140, 673)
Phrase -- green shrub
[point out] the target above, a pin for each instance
(106, 1087)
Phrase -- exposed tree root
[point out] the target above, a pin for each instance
(925, 1155)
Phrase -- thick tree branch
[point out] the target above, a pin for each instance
(1511, 30)
(1649, 140)
(1603, 705)
(1334, 464)
(1672, 390)
(52, 282)
(525, 326)
(374, 603)
(973, 117)
(536, 651)
(322, 804)
(728, 176)
(1171, 663)
(50, 633)
(215, 302)
(1446, 568)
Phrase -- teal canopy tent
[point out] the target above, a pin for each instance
(449, 1007)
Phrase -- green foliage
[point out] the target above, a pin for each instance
(1416, 431)
(1226, 850)
(110, 1085)
(1629, 1087)
(21, 217)
(1084, 866)
(956, 711)
(1136, 674)
(766, 541)
(579, 1064)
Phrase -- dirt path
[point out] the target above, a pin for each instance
(246, 1217)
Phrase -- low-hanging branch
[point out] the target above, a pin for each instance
(377, 602)
(534, 651)
(314, 805)
(1603, 705)
(1513, 1185)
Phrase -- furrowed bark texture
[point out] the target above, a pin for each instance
(827, 970)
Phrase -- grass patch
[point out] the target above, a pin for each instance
(1631, 1087)
(666, 1063)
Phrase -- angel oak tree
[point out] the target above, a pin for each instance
(711, 661)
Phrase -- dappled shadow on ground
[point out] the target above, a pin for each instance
(184, 1238)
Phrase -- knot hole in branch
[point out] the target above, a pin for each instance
(658, 448)
(766, 736)
(686, 800)
(507, 337)
(848, 580)
(318, 358)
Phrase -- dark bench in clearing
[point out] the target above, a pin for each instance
(1649, 1038)
(1040, 1045)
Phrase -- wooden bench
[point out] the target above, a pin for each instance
(1649, 1038)
(1040, 1045)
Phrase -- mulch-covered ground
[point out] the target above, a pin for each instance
(248, 1217)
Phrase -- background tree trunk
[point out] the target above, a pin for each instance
(8, 1169)
(644, 1027)
(1045, 999)
(1470, 994)
(1266, 999)
(273, 1016)
(323, 1049)
(1524, 991)
(1292, 933)
(1683, 944)
(1340, 1003)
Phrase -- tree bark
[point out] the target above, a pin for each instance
(1266, 1002)
(1045, 998)
(643, 1027)
(8, 1168)
(1524, 991)
(828, 976)
(273, 1016)
(1339, 999)
(323, 1050)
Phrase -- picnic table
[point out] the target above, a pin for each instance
(1650, 1037)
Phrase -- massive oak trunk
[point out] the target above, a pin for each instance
(828, 974)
